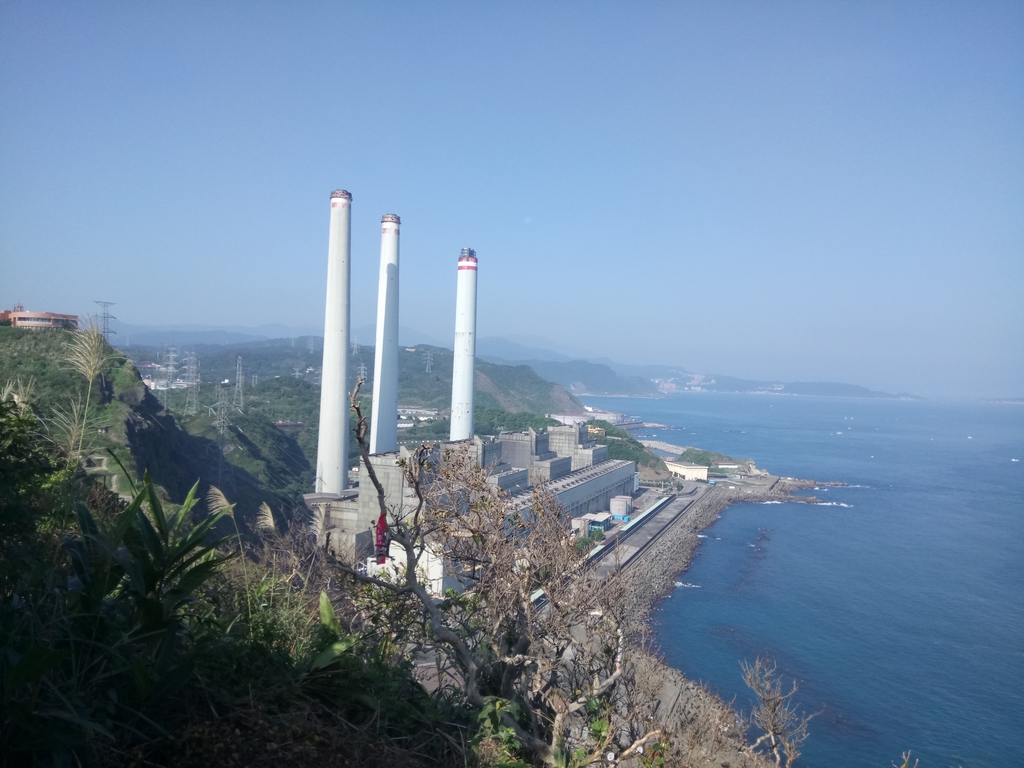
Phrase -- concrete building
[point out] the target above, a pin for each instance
(573, 441)
(349, 517)
(430, 571)
(591, 489)
(687, 471)
(40, 321)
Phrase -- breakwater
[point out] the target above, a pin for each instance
(706, 730)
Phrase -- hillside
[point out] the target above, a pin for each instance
(718, 383)
(283, 457)
(511, 388)
(623, 446)
(129, 432)
(580, 377)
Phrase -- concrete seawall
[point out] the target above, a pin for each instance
(707, 731)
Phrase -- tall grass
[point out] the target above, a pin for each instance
(86, 352)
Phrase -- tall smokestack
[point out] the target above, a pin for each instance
(463, 371)
(384, 427)
(332, 448)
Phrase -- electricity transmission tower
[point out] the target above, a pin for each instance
(361, 370)
(355, 347)
(255, 379)
(170, 373)
(191, 384)
(238, 400)
(220, 410)
(105, 318)
(429, 357)
(298, 372)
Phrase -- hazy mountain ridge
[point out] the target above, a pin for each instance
(574, 374)
(514, 388)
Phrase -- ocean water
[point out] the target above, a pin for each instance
(900, 615)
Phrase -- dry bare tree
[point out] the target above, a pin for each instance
(537, 642)
(784, 729)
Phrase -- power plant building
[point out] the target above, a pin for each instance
(575, 470)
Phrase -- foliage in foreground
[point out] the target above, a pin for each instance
(131, 635)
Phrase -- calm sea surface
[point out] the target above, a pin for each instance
(901, 615)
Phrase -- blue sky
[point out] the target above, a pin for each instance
(804, 191)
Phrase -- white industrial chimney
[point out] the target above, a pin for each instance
(332, 447)
(384, 427)
(464, 366)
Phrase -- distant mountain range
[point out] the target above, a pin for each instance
(213, 335)
(551, 361)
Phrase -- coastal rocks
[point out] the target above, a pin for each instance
(707, 731)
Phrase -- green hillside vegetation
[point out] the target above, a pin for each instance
(623, 446)
(581, 377)
(510, 388)
(706, 458)
(126, 431)
(508, 398)
(39, 361)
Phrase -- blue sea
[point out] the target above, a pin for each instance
(900, 614)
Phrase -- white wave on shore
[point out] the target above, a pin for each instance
(831, 504)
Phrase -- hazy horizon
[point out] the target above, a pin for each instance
(800, 192)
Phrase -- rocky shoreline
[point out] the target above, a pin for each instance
(708, 731)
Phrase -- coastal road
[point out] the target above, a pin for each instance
(637, 539)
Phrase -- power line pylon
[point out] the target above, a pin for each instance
(170, 373)
(254, 380)
(429, 357)
(220, 410)
(192, 384)
(238, 400)
(105, 318)
(355, 348)
(361, 371)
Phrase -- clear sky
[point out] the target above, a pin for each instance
(802, 190)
